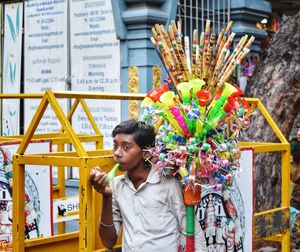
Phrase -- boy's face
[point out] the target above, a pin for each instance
(127, 152)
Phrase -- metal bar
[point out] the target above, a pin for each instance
(202, 15)
(104, 161)
(47, 160)
(87, 224)
(71, 111)
(52, 239)
(33, 125)
(98, 95)
(224, 17)
(271, 211)
(285, 242)
(90, 117)
(207, 10)
(285, 194)
(219, 27)
(62, 187)
(191, 22)
(264, 147)
(65, 123)
(228, 12)
(213, 8)
(21, 96)
(197, 16)
(91, 153)
(18, 209)
(285, 174)
(271, 122)
(183, 32)
(93, 138)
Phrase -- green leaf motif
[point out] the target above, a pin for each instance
(18, 21)
(14, 72)
(11, 74)
(11, 27)
(12, 113)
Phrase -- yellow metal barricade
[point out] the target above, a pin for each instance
(274, 224)
(87, 238)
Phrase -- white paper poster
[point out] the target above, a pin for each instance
(226, 215)
(37, 195)
(245, 185)
(46, 56)
(13, 23)
(95, 60)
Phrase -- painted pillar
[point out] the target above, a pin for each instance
(245, 14)
(134, 20)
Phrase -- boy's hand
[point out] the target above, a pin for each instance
(100, 182)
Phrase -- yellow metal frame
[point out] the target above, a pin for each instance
(59, 139)
(284, 148)
(87, 159)
(79, 158)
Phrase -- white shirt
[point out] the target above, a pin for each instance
(151, 214)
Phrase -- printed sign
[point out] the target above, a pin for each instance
(95, 56)
(13, 23)
(46, 56)
(65, 209)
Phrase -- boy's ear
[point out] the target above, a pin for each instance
(146, 155)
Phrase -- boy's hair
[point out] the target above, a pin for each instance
(142, 132)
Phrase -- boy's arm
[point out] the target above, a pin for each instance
(107, 230)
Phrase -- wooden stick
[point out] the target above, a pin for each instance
(226, 34)
(175, 47)
(215, 58)
(221, 58)
(172, 51)
(208, 55)
(206, 38)
(182, 61)
(235, 53)
(251, 40)
(187, 53)
(201, 50)
(194, 53)
(168, 70)
(227, 75)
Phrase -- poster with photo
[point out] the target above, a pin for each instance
(226, 216)
(38, 195)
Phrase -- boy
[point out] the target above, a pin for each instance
(149, 206)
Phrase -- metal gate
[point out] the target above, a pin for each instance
(193, 13)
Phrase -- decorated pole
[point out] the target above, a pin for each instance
(197, 124)
(191, 197)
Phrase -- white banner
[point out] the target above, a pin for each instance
(46, 56)
(226, 216)
(65, 209)
(38, 191)
(245, 185)
(13, 23)
(95, 56)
